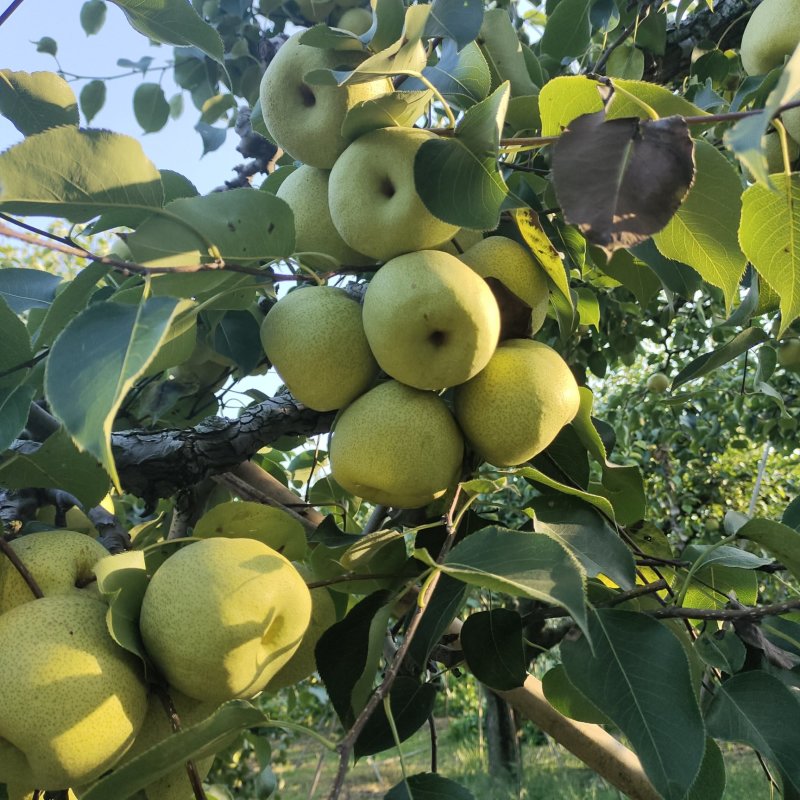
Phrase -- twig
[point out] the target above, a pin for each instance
(345, 747)
(749, 614)
(762, 465)
(603, 60)
(10, 10)
(434, 744)
(12, 556)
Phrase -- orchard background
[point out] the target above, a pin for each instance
(649, 176)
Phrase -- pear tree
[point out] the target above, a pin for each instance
(484, 363)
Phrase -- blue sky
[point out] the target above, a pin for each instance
(177, 146)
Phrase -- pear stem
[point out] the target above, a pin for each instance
(175, 722)
(9, 552)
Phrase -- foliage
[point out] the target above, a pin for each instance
(657, 532)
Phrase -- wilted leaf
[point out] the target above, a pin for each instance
(622, 180)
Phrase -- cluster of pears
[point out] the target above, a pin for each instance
(429, 319)
(221, 618)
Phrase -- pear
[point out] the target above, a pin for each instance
(315, 339)
(156, 729)
(355, 20)
(60, 562)
(396, 446)
(430, 320)
(303, 662)
(791, 121)
(658, 383)
(516, 406)
(220, 617)
(71, 699)
(306, 192)
(305, 119)
(772, 33)
(373, 196)
(315, 10)
(789, 354)
(516, 268)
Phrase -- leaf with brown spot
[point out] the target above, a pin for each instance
(620, 181)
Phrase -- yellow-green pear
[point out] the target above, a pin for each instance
(156, 729)
(516, 406)
(789, 354)
(373, 197)
(397, 446)
(772, 33)
(71, 699)
(430, 320)
(306, 192)
(515, 267)
(60, 562)
(791, 121)
(306, 119)
(315, 339)
(221, 616)
(658, 383)
(303, 663)
(355, 20)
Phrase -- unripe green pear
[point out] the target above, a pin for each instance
(515, 267)
(355, 20)
(397, 446)
(61, 562)
(373, 196)
(772, 33)
(71, 699)
(658, 383)
(430, 320)
(315, 339)
(305, 119)
(516, 406)
(789, 354)
(791, 121)
(306, 192)
(157, 728)
(220, 617)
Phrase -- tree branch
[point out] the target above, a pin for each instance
(8, 551)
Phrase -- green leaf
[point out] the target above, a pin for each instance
(586, 534)
(56, 464)
(122, 581)
(757, 709)
(239, 225)
(634, 275)
(150, 107)
(504, 54)
(537, 476)
(567, 700)
(93, 16)
(518, 564)
(16, 349)
(568, 30)
(15, 404)
(193, 743)
(770, 237)
(777, 539)
(723, 556)
(411, 704)
(24, 289)
(458, 20)
(458, 178)
(710, 781)
(95, 361)
(272, 526)
(65, 172)
(69, 301)
(635, 653)
(47, 45)
(711, 587)
(349, 652)
(34, 102)
(173, 22)
(237, 337)
(703, 232)
(708, 362)
(630, 96)
(216, 107)
(721, 649)
(493, 648)
(626, 62)
(92, 98)
(428, 786)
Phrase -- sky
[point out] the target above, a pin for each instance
(177, 146)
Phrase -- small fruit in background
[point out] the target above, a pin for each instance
(220, 617)
(397, 446)
(355, 20)
(373, 196)
(430, 320)
(315, 339)
(516, 406)
(789, 354)
(658, 383)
